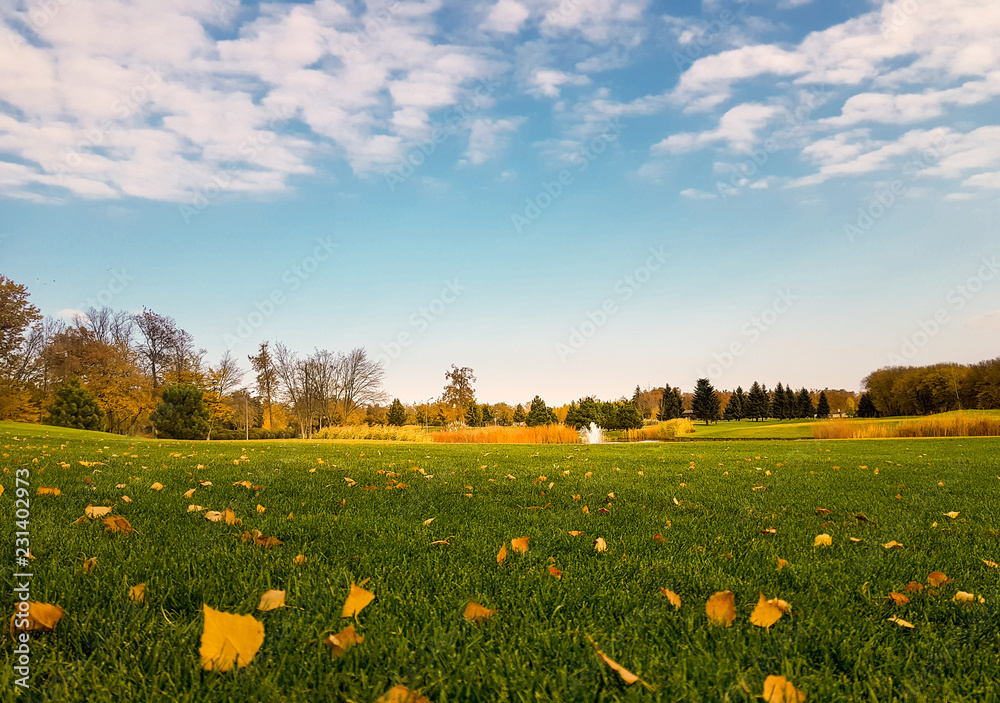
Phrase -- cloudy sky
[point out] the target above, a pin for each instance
(570, 196)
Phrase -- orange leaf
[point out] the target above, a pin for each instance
(675, 600)
(502, 554)
(555, 572)
(476, 613)
(627, 676)
(936, 578)
(300, 559)
(892, 543)
(189, 493)
(40, 617)
(914, 587)
(343, 640)
(577, 533)
(47, 491)
(229, 640)
(781, 563)
(600, 545)
(658, 538)
(116, 523)
(520, 544)
(356, 601)
(765, 613)
(721, 608)
(778, 689)
(899, 598)
(401, 694)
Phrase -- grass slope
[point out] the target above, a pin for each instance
(836, 645)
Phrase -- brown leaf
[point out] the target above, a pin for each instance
(342, 641)
(229, 640)
(778, 689)
(936, 578)
(520, 544)
(675, 600)
(899, 598)
(781, 563)
(822, 511)
(476, 613)
(914, 587)
(356, 601)
(721, 608)
(765, 613)
(555, 572)
(401, 694)
(89, 565)
(40, 617)
(658, 538)
(117, 524)
(502, 554)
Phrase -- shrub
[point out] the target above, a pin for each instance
(181, 414)
(76, 407)
(665, 430)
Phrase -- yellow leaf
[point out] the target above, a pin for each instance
(271, 600)
(95, 511)
(600, 545)
(157, 486)
(137, 594)
(502, 554)
(675, 600)
(476, 613)
(765, 613)
(41, 617)
(300, 559)
(260, 508)
(899, 598)
(47, 491)
(429, 520)
(343, 640)
(936, 578)
(204, 483)
(586, 510)
(991, 564)
(89, 565)
(900, 622)
(627, 676)
(126, 499)
(356, 601)
(965, 597)
(520, 544)
(781, 563)
(401, 694)
(721, 608)
(189, 493)
(116, 524)
(555, 572)
(213, 515)
(575, 533)
(891, 544)
(244, 483)
(777, 689)
(953, 514)
(231, 518)
(229, 640)
(194, 508)
(823, 540)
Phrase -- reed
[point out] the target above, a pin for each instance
(391, 433)
(958, 424)
(543, 434)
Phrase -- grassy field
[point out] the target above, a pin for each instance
(835, 645)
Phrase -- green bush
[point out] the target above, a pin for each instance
(76, 407)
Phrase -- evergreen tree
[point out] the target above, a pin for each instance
(757, 404)
(671, 404)
(736, 407)
(540, 414)
(488, 415)
(76, 407)
(473, 415)
(823, 407)
(866, 408)
(791, 403)
(397, 414)
(706, 404)
(519, 415)
(779, 406)
(804, 404)
(181, 414)
(627, 416)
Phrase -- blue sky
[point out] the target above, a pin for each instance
(570, 196)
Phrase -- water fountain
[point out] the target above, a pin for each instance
(594, 435)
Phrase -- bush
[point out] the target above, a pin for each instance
(666, 430)
(76, 407)
(181, 414)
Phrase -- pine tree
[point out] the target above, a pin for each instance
(628, 416)
(181, 414)
(706, 402)
(539, 414)
(473, 415)
(791, 404)
(488, 415)
(736, 407)
(758, 404)
(866, 408)
(397, 414)
(778, 409)
(823, 407)
(519, 416)
(671, 404)
(76, 407)
(805, 404)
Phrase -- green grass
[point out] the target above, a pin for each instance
(836, 645)
(751, 429)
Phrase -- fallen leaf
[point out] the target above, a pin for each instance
(600, 545)
(342, 641)
(891, 544)
(189, 493)
(137, 594)
(244, 483)
(899, 598)
(520, 544)
(822, 511)
(854, 539)
(914, 587)
(157, 486)
(260, 508)
(936, 578)
(781, 563)
(991, 564)
(555, 572)
(429, 520)
(41, 617)
(953, 514)
(721, 608)
(900, 622)
(47, 491)
(765, 613)
(96, 511)
(195, 508)
(778, 689)
(586, 510)
(356, 601)
(89, 565)
(577, 533)
(126, 499)
(204, 483)
(213, 515)
(966, 597)
(401, 694)
(769, 531)
(476, 613)
(823, 540)
(271, 600)
(627, 676)
(502, 554)
(675, 600)
(117, 524)
(229, 640)
(300, 559)
(439, 543)
(658, 538)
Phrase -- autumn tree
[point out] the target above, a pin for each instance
(220, 381)
(76, 407)
(166, 350)
(458, 391)
(706, 401)
(16, 316)
(181, 414)
(267, 379)
(397, 414)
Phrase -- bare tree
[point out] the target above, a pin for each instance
(222, 378)
(359, 381)
(107, 325)
(267, 380)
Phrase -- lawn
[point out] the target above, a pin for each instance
(700, 497)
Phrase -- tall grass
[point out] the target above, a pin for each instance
(950, 425)
(543, 434)
(665, 430)
(392, 433)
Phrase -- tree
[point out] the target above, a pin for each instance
(473, 415)
(358, 380)
(866, 408)
(16, 316)
(221, 380)
(804, 404)
(757, 405)
(706, 401)
(671, 404)
(397, 414)
(165, 348)
(182, 413)
(519, 415)
(488, 415)
(539, 413)
(779, 404)
(736, 407)
(76, 407)
(642, 403)
(458, 391)
(823, 406)
(627, 416)
(267, 380)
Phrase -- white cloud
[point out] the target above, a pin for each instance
(738, 128)
(986, 321)
(487, 138)
(695, 194)
(546, 82)
(507, 16)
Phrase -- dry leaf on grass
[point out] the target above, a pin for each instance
(627, 676)
(47, 491)
(781, 563)
(600, 545)
(401, 694)
(900, 622)
(899, 598)
(476, 613)
(766, 612)
(721, 608)
(300, 559)
(914, 587)
(502, 554)
(675, 600)
(823, 540)
(892, 543)
(271, 600)
(260, 508)
(117, 524)
(356, 601)
(965, 597)
(157, 486)
(577, 533)
(342, 641)
(953, 514)
(429, 520)
(229, 640)
(520, 544)
(213, 515)
(89, 565)
(778, 689)
(189, 493)
(96, 511)
(555, 572)
(41, 617)
(137, 594)
(936, 578)
(991, 564)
